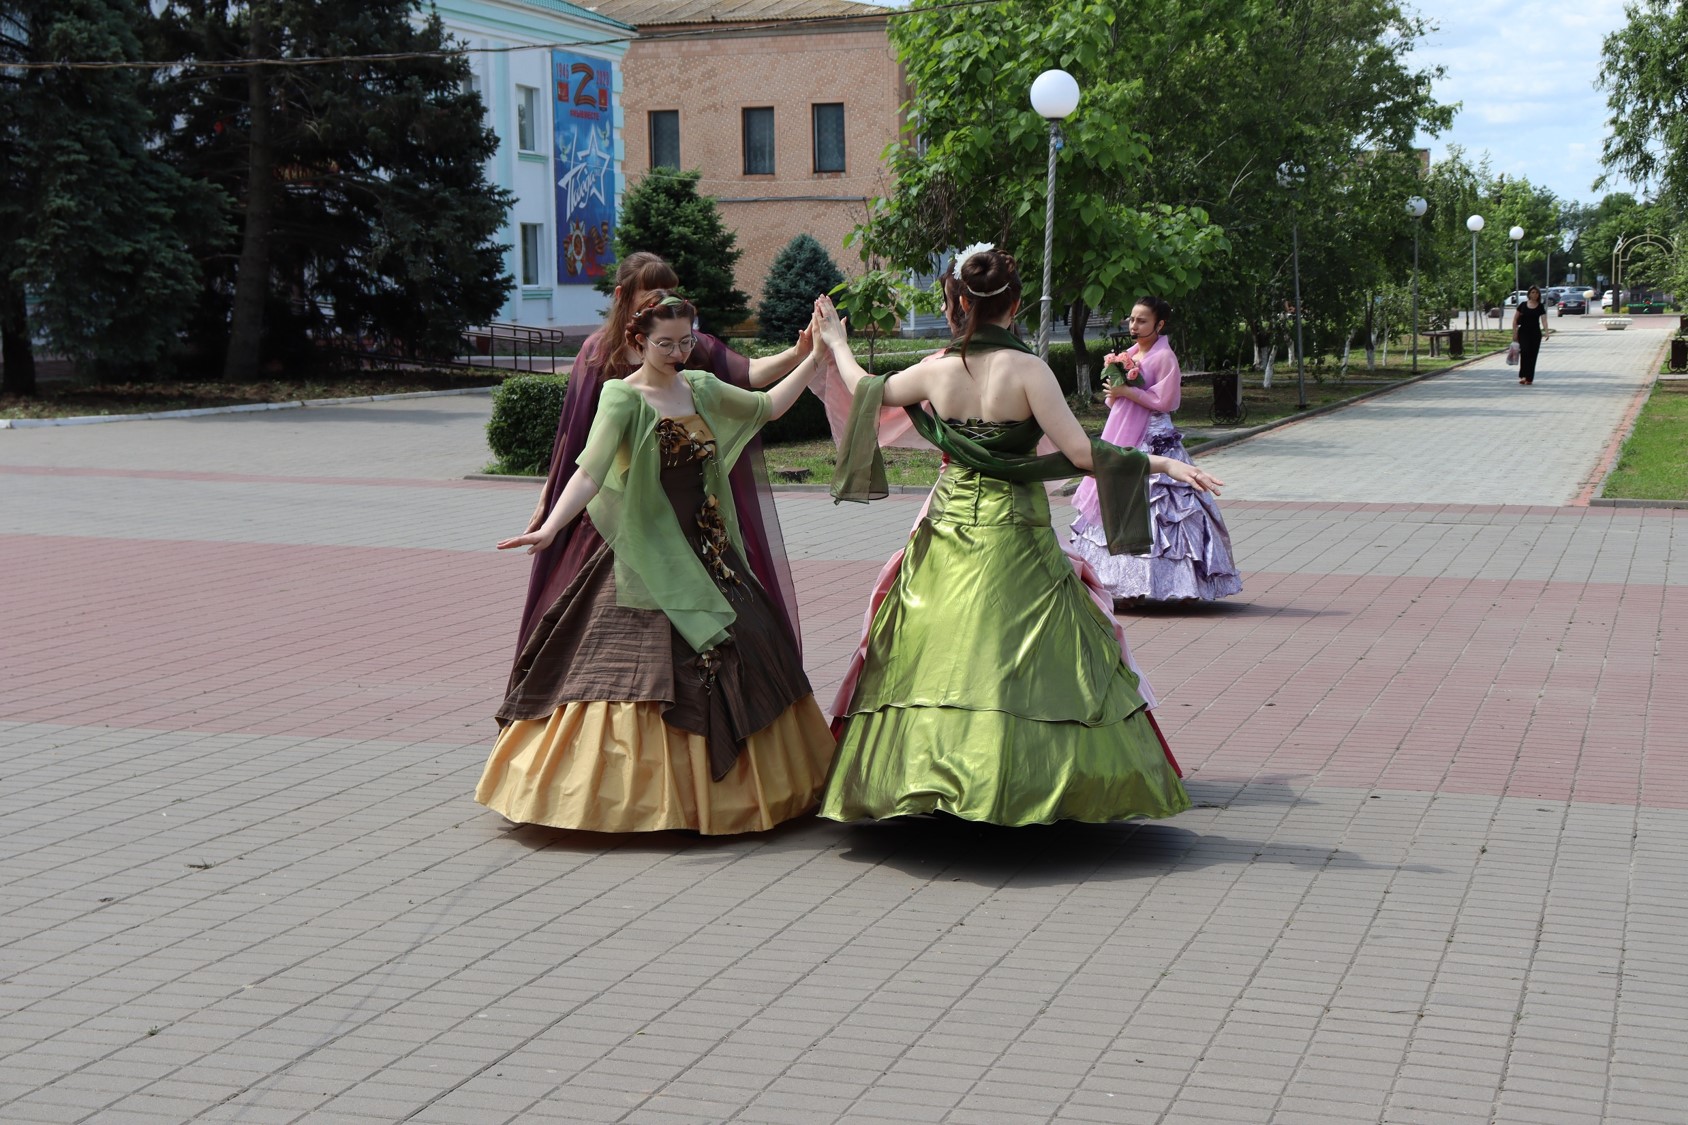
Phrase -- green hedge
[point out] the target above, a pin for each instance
(525, 410)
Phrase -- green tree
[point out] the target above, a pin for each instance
(94, 226)
(360, 187)
(1168, 178)
(1642, 67)
(802, 271)
(665, 214)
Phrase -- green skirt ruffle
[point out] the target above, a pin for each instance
(993, 687)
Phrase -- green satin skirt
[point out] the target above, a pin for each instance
(993, 687)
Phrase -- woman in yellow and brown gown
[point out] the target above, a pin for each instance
(660, 689)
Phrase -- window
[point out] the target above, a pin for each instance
(533, 252)
(665, 138)
(759, 142)
(527, 119)
(829, 137)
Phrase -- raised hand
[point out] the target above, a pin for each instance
(832, 328)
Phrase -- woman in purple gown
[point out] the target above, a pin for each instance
(1191, 557)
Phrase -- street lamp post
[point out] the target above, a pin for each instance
(1290, 176)
(1054, 97)
(1516, 234)
(1416, 207)
(1474, 224)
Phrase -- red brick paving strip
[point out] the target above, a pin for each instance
(1553, 690)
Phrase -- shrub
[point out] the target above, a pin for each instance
(800, 273)
(525, 410)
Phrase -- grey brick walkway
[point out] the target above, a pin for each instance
(1473, 436)
(1433, 874)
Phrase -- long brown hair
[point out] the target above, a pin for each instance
(990, 280)
(639, 272)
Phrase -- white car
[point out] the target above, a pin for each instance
(1518, 297)
(1607, 301)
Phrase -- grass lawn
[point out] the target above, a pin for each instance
(56, 399)
(1654, 461)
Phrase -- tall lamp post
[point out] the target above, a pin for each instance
(1290, 176)
(1054, 97)
(1416, 206)
(1474, 224)
(1516, 234)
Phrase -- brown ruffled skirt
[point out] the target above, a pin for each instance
(614, 724)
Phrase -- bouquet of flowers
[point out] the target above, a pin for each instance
(1118, 368)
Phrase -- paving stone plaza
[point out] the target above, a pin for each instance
(1438, 747)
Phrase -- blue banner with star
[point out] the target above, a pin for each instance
(584, 163)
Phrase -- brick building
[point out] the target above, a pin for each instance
(784, 105)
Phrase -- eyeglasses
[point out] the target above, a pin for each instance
(675, 347)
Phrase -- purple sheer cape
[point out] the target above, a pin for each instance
(556, 566)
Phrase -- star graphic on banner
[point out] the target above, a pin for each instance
(589, 169)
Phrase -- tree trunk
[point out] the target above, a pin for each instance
(1371, 335)
(1266, 367)
(1078, 319)
(16, 350)
(1347, 349)
(252, 282)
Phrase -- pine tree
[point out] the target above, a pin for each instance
(665, 215)
(360, 187)
(93, 224)
(802, 271)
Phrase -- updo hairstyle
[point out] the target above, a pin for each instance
(663, 305)
(639, 272)
(1159, 309)
(990, 283)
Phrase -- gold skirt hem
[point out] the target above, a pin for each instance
(618, 767)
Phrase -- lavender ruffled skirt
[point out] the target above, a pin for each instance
(1191, 557)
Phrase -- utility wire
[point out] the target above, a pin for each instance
(684, 32)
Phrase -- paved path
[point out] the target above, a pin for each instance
(1471, 436)
(1433, 874)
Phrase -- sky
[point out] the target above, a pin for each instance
(1526, 74)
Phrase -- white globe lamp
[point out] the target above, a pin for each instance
(1055, 94)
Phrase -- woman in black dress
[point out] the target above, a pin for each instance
(1527, 331)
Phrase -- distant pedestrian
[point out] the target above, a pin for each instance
(1528, 327)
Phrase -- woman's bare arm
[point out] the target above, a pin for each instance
(769, 369)
(576, 495)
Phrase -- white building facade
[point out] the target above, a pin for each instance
(550, 75)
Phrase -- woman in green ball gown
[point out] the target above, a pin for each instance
(990, 685)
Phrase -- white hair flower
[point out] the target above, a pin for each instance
(967, 252)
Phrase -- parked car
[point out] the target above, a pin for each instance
(1517, 297)
(1607, 301)
(1571, 301)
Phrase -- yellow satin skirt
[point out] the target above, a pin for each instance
(617, 767)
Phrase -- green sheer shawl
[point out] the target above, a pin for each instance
(1122, 475)
(655, 566)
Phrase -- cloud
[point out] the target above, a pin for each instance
(1527, 77)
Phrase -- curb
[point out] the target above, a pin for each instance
(823, 489)
(1620, 502)
(1329, 408)
(247, 408)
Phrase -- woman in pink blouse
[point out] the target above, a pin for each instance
(1191, 558)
